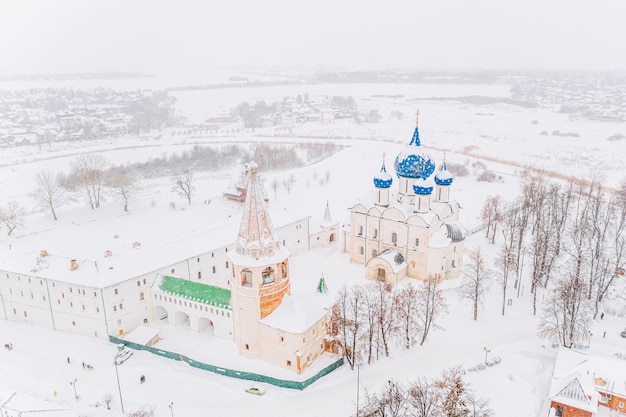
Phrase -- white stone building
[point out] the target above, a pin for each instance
(120, 290)
(237, 291)
(413, 231)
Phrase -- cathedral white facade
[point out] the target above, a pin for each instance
(412, 231)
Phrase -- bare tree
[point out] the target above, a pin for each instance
(431, 304)
(453, 394)
(492, 214)
(275, 185)
(108, 400)
(424, 397)
(448, 396)
(386, 314)
(476, 281)
(288, 183)
(478, 407)
(182, 180)
(12, 216)
(612, 262)
(601, 214)
(567, 315)
(88, 172)
(370, 320)
(550, 221)
(407, 309)
(391, 402)
(505, 258)
(347, 312)
(48, 194)
(124, 187)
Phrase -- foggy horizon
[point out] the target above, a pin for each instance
(69, 36)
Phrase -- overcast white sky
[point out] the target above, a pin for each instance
(154, 36)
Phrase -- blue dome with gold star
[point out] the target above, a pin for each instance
(383, 179)
(413, 162)
(423, 186)
(443, 177)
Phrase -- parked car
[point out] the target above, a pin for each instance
(122, 356)
(255, 390)
(623, 333)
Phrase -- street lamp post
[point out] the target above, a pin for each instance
(119, 387)
(171, 406)
(73, 384)
(486, 353)
(358, 367)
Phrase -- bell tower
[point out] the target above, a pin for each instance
(260, 269)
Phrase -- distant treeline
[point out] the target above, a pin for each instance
(212, 158)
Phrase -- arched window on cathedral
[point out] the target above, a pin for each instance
(268, 275)
(360, 230)
(394, 238)
(374, 253)
(417, 242)
(246, 278)
(361, 250)
(375, 233)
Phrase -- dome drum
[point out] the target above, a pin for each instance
(443, 181)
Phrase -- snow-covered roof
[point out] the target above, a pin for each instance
(433, 215)
(297, 314)
(280, 254)
(393, 258)
(593, 373)
(440, 239)
(141, 335)
(112, 250)
(455, 232)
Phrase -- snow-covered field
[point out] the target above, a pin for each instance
(517, 387)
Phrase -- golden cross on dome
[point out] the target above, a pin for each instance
(417, 117)
(383, 158)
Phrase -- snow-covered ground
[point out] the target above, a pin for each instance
(516, 387)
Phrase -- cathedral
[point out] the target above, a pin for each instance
(412, 231)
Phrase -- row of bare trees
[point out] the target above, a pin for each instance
(369, 318)
(446, 396)
(575, 236)
(90, 176)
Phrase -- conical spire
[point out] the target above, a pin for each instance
(327, 217)
(321, 286)
(255, 237)
(415, 140)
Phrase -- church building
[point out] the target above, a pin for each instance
(412, 231)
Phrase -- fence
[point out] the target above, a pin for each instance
(250, 376)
